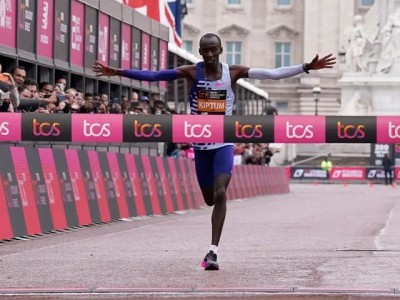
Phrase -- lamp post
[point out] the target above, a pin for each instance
(316, 92)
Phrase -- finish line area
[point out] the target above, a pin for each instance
(323, 241)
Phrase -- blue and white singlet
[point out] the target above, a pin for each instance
(211, 98)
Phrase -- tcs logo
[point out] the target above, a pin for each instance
(45, 128)
(299, 131)
(394, 131)
(197, 130)
(248, 131)
(4, 128)
(350, 131)
(146, 130)
(96, 129)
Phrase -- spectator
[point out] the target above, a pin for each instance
(18, 74)
(115, 109)
(45, 89)
(9, 92)
(134, 97)
(144, 101)
(104, 99)
(387, 167)
(5, 97)
(102, 109)
(61, 82)
(136, 109)
(267, 155)
(33, 87)
(23, 91)
(326, 165)
(159, 108)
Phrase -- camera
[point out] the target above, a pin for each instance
(61, 98)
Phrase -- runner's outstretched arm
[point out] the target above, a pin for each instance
(283, 72)
(164, 75)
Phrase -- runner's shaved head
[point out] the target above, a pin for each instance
(210, 35)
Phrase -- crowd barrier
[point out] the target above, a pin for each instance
(342, 173)
(44, 189)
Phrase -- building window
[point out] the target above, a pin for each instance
(282, 106)
(233, 53)
(189, 1)
(282, 55)
(234, 2)
(367, 3)
(284, 2)
(188, 46)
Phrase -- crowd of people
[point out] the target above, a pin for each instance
(254, 153)
(20, 93)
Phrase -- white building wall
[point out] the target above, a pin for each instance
(312, 26)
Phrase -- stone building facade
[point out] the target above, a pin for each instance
(272, 33)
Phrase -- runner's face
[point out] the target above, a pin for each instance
(210, 49)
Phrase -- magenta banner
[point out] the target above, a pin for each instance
(163, 60)
(10, 127)
(347, 173)
(44, 37)
(126, 42)
(77, 33)
(145, 55)
(299, 129)
(8, 21)
(91, 128)
(197, 129)
(104, 37)
(388, 129)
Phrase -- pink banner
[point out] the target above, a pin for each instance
(53, 188)
(197, 129)
(78, 186)
(118, 184)
(104, 36)
(145, 55)
(8, 21)
(126, 41)
(388, 129)
(10, 127)
(44, 36)
(77, 33)
(27, 195)
(163, 60)
(299, 129)
(94, 128)
(99, 186)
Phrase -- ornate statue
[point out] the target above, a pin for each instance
(359, 104)
(390, 42)
(359, 46)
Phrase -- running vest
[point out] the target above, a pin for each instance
(211, 98)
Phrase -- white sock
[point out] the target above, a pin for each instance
(214, 249)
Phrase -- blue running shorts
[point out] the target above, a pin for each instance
(211, 163)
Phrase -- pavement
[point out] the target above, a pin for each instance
(317, 242)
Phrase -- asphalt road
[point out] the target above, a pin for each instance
(317, 242)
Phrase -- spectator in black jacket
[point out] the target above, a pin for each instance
(387, 167)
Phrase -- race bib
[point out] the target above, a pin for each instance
(211, 102)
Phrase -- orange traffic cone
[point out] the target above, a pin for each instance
(371, 183)
(315, 182)
(345, 184)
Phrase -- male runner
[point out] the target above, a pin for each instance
(211, 92)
